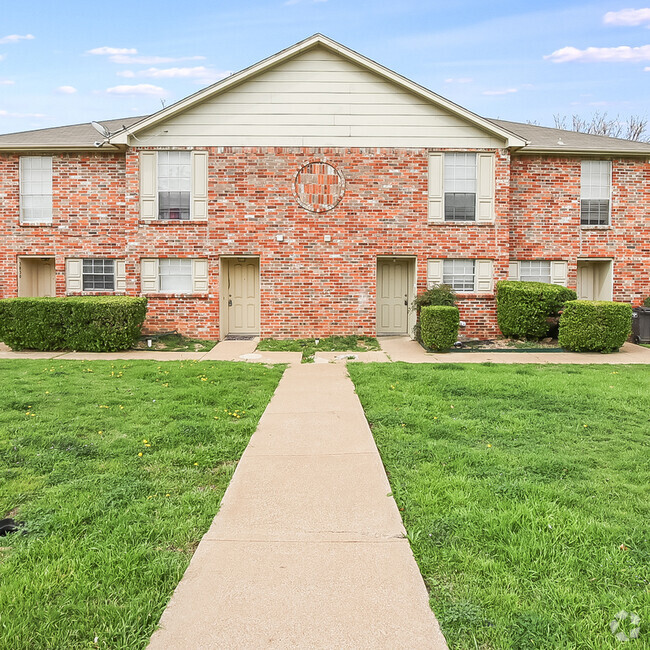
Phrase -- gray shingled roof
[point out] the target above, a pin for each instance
(540, 138)
(543, 138)
(65, 137)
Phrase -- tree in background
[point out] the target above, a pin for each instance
(630, 128)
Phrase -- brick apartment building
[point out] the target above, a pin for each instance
(316, 193)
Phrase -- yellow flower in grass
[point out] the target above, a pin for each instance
(140, 454)
(196, 464)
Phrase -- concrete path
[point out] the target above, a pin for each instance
(403, 348)
(308, 548)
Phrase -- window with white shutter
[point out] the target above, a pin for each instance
(595, 192)
(549, 271)
(174, 275)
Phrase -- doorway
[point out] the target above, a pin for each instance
(594, 279)
(36, 277)
(240, 296)
(395, 279)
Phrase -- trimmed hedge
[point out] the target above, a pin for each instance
(439, 326)
(524, 308)
(594, 326)
(646, 302)
(84, 323)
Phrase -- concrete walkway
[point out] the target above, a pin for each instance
(308, 547)
(402, 348)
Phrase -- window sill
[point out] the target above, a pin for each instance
(594, 227)
(43, 224)
(474, 294)
(461, 223)
(193, 296)
(172, 222)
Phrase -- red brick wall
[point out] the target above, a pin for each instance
(545, 208)
(309, 286)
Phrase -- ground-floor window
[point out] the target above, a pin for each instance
(98, 275)
(459, 274)
(535, 271)
(174, 275)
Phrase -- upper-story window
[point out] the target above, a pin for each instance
(36, 189)
(460, 186)
(595, 192)
(174, 184)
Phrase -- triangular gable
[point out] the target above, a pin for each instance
(317, 93)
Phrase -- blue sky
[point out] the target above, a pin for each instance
(68, 62)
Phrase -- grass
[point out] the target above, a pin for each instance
(174, 343)
(525, 491)
(117, 470)
(309, 347)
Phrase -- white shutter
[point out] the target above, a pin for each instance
(485, 188)
(559, 271)
(148, 185)
(120, 275)
(436, 203)
(513, 273)
(199, 185)
(73, 275)
(199, 276)
(149, 275)
(434, 272)
(484, 276)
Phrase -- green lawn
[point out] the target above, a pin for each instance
(309, 347)
(117, 470)
(525, 491)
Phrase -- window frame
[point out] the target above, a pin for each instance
(161, 162)
(92, 273)
(531, 275)
(447, 180)
(167, 261)
(445, 274)
(588, 223)
(23, 196)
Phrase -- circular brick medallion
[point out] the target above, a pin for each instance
(319, 187)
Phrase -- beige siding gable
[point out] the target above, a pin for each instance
(318, 98)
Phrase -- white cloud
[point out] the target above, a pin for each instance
(126, 59)
(505, 91)
(199, 72)
(112, 50)
(624, 53)
(10, 114)
(138, 89)
(627, 17)
(459, 80)
(7, 82)
(66, 90)
(14, 38)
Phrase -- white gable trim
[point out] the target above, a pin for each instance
(125, 137)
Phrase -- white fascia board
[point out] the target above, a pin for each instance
(511, 139)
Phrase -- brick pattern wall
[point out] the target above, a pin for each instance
(545, 220)
(309, 286)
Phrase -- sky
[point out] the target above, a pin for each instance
(68, 62)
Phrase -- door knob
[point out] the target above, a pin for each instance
(229, 302)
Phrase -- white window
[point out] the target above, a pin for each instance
(94, 274)
(550, 271)
(174, 275)
(595, 192)
(460, 186)
(459, 274)
(535, 271)
(174, 184)
(98, 275)
(464, 276)
(36, 189)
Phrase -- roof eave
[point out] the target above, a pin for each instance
(60, 147)
(571, 151)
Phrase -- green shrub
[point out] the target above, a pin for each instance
(85, 323)
(526, 309)
(594, 326)
(439, 326)
(439, 294)
(646, 302)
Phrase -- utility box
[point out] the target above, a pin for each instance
(641, 324)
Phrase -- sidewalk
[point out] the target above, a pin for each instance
(308, 547)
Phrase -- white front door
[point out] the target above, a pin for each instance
(393, 295)
(594, 280)
(36, 277)
(242, 296)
